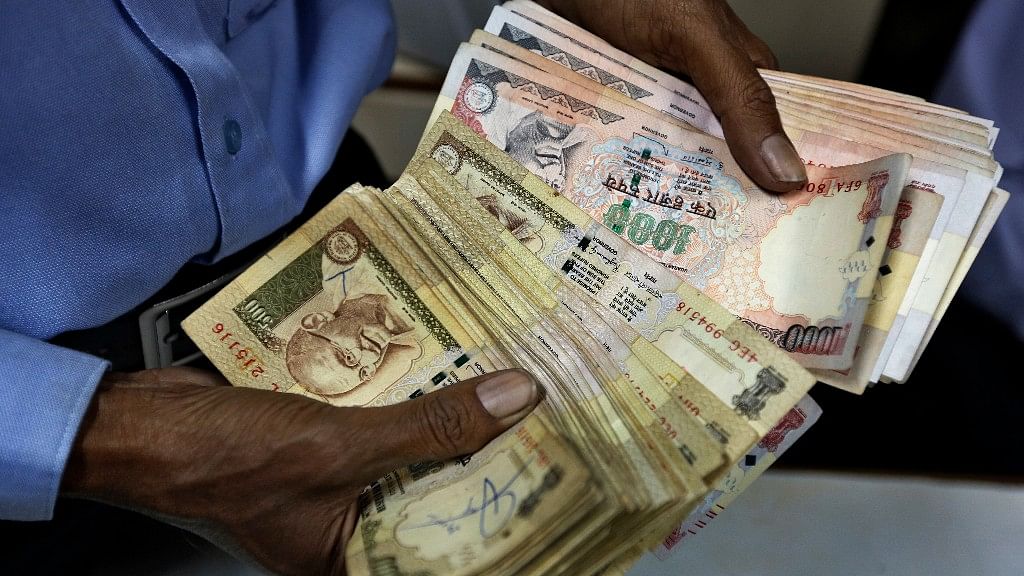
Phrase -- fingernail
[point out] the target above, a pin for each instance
(782, 160)
(507, 393)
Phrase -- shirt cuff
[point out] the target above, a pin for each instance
(44, 393)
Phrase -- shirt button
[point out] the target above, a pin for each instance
(232, 136)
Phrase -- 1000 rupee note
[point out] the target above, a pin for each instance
(971, 178)
(681, 199)
(745, 371)
(914, 222)
(452, 150)
(443, 511)
(345, 349)
(604, 268)
(679, 392)
(928, 186)
(554, 54)
(640, 362)
(533, 28)
(542, 221)
(498, 248)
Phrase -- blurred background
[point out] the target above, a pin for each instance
(919, 478)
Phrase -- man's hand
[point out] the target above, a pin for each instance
(270, 476)
(705, 40)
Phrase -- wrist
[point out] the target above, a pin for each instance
(192, 450)
(124, 454)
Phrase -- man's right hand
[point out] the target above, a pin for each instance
(272, 477)
(706, 41)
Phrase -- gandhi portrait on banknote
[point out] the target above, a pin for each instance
(544, 146)
(332, 353)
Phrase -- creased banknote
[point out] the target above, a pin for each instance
(942, 140)
(743, 370)
(679, 197)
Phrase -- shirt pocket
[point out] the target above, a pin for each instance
(242, 13)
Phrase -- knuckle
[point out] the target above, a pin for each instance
(663, 42)
(757, 98)
(447, 421)
(762, 56)
(660, 39)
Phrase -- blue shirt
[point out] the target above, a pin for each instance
(986, 77)
(136, 136)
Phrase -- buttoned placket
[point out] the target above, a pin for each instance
(251, 194)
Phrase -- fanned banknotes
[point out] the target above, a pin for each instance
(679, 197)
(952, 163)
(470, 263)
(573, 211)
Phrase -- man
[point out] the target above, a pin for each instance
(139, 136)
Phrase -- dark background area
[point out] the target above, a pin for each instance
(958, 413)
(912, 44)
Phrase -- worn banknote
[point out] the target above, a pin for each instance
(335, 313)
(362, 307)
(745, 371)
(603, 266)
(679, 197)
(910, 238)
(872, 121)
(566, 57)
(896, 273)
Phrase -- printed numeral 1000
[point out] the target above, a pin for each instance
(642, 229)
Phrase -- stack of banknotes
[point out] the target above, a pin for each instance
(574, 211)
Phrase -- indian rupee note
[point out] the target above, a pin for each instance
(915, 219)
(340, 320)
(743, 370)
(570, 41)
(989, 214)
(897, 278)
(679, 196)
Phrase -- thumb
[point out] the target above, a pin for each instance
(451, 422)
(725, 74)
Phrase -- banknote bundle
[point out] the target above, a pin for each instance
(655, 394)
(853, 334)
(573, 211)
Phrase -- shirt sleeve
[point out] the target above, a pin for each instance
(44, 393)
